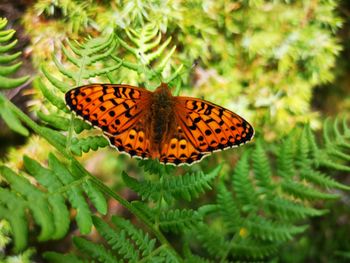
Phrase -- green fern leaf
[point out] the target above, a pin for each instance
(116, 239)
(187, 186)
(5, 58)
(179, 220)
(11, 120)
(75, 194)
(58, 208)
(252, 249)
(98, 252)
(266, 229)
(291, 210)
(34, 199)
(9, 66)
(88, 143)
(12, 208)
(213, 241)
(54, 121)
(62, 86)
(285, 162)
(304, 192)
(53, 98)
(228, 209)
(144, 243)
(262, 170)
(242, 184)
(96, 197)
(321, 179)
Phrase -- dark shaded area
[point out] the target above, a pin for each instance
(331, 98)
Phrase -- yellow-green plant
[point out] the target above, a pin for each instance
(9, 66)
(262, 58)
(215, 214)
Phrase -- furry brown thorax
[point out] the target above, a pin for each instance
(161, 117)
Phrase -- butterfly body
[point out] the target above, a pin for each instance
(161, 118)
(144, 124)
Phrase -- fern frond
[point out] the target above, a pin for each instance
(58, 208)
(32, 198)
(228, 209)
(74, 194)
(252, 249)
(142, 240)
(285, 162)
(62, 123)
(12, 209)
(7, 58)
(304, 192)
(84, 55)
(47, 203)
(262, 170)
(9, 66)
(78, 146)
(321, 179)
(179, 220)
(290, 210)
(265, 229)
(117, 240)
(11, 120)
(187, 186)
(95, 251)
(242, 184)
(145, 40)
(213, 241)
(50, 95)
(337, 145)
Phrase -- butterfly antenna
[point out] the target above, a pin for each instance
(145, 64)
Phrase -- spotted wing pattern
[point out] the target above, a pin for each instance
(209, 127)
(117, 110)
(179, 150)
(132, 142)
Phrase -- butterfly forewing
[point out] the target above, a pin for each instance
(117, 110)
(210, 127)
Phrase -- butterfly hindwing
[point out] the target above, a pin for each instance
(210, 127)
(133, 142)
(179, 150)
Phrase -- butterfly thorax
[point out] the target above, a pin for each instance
(162, 117)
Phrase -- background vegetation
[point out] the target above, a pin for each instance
(283, 65)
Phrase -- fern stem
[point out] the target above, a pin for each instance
(159, 205)
(70, 132)
(105, 189)
(224, 256)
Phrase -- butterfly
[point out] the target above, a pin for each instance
(174, 129)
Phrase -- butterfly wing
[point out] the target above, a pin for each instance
(206, 128)
(117, 110)
(179, 150)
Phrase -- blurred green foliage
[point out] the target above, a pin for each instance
(262, 59)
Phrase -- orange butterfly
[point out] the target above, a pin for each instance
(176, 130)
